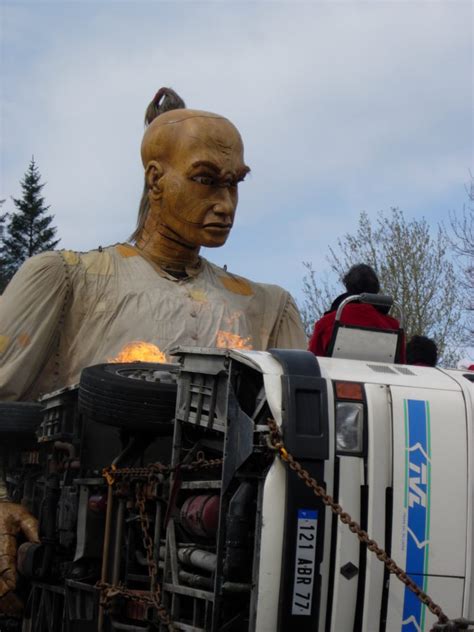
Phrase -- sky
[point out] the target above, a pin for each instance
(342, 106)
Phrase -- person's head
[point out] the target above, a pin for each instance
(193, 164)
(422, 350)
(361, 278)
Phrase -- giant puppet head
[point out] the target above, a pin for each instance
(193, 164)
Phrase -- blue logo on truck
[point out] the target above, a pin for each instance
(417, 508)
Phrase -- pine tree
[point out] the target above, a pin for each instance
(29, 228)
(3, 272)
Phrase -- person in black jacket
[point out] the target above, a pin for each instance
(422, 351)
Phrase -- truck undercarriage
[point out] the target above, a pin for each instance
(162, 503)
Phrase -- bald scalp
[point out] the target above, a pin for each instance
(165, 131)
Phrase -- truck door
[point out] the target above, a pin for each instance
(362, 482)
(428, 537)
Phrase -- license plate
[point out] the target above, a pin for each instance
(306, 532)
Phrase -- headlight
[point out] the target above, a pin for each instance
(349, 427)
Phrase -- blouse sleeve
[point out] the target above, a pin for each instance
(30, 312)
(290, 332)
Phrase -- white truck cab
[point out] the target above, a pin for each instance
(392, 444)
(399, 462)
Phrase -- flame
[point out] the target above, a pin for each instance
(228, 340)
(139, 351)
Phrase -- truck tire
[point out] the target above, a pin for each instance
(19, 417)
(136, 396)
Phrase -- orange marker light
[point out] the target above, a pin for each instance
(349, 390)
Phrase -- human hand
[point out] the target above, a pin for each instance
(14, 519)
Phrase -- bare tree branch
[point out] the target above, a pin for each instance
(413, 266)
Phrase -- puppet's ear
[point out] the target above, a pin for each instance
(153, 174)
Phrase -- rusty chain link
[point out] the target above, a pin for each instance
(109, 591)
(155, 590)
(154, 469)
(153, 598)
(276, 443)
(150, 472)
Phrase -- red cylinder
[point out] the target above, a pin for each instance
(97, 503)
(200, 515)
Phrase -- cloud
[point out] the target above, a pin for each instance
(342, 107)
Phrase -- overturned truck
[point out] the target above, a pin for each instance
(227, 493)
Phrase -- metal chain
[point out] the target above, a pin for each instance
(113, 472)
(153, 599)
(276, 443)
(109, 591)
(161, 610)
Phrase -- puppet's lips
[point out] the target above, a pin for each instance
(218, 227)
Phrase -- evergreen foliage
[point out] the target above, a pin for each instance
(30, 230)
(414, 268)
(3, 275)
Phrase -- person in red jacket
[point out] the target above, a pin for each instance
(359, 279)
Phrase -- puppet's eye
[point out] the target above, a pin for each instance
(207, 180)
(230, 184)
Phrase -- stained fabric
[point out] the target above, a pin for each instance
(358, 314)
(65, 310)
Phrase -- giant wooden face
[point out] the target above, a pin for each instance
(193, 163)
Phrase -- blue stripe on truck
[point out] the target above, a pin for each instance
(417, 510)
